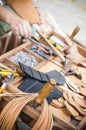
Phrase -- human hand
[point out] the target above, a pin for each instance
(20, 27)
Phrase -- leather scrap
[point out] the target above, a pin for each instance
(11, 111)
(74, 104)
(71, 109)
(44, 77)
(25, 9)
(57, 104)
(60, 112)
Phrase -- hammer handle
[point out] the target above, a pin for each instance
(47, 89)
(57, 53)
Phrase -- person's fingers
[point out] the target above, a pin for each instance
(21, 27)
(20, 30)
(27, 29)
(15, 31)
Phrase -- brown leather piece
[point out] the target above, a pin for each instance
(58, 103)
(62, 112)
(74, 104)
(80, 117)
(11, 111)
(79, 101)
(26, 9)
(71, 109)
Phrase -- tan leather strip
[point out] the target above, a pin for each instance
(57, 104)
(79, 101)
(71, 110)
(74, 104)
(80, 117)
(61, 112)
(11, 111)
(50, 121)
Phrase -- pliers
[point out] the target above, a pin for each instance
(6, 81)
(43, 47)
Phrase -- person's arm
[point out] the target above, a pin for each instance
(18, 25)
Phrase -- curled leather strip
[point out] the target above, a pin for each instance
(11, 111)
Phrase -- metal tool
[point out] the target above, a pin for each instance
(45, 91)
(56, 52)
(6, 81)
(70, 72)
(67, 66)
(43, 47)
(69, 69)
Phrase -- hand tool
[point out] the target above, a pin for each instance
(6, 73)
(56, 45)
(38, 50)
(64, 59)
(43, 47)
(6, 81)
(70, 72)
(47, 89)
(56, 52)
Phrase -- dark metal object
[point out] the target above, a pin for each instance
(43, 47)
(39, 51)
(70, 72)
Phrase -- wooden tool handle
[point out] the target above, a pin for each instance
(3, 66)
(76, 30)
(57, 53)
(47, 89)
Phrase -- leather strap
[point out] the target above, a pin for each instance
(11, 111)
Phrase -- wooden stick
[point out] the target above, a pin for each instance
(47, 89)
